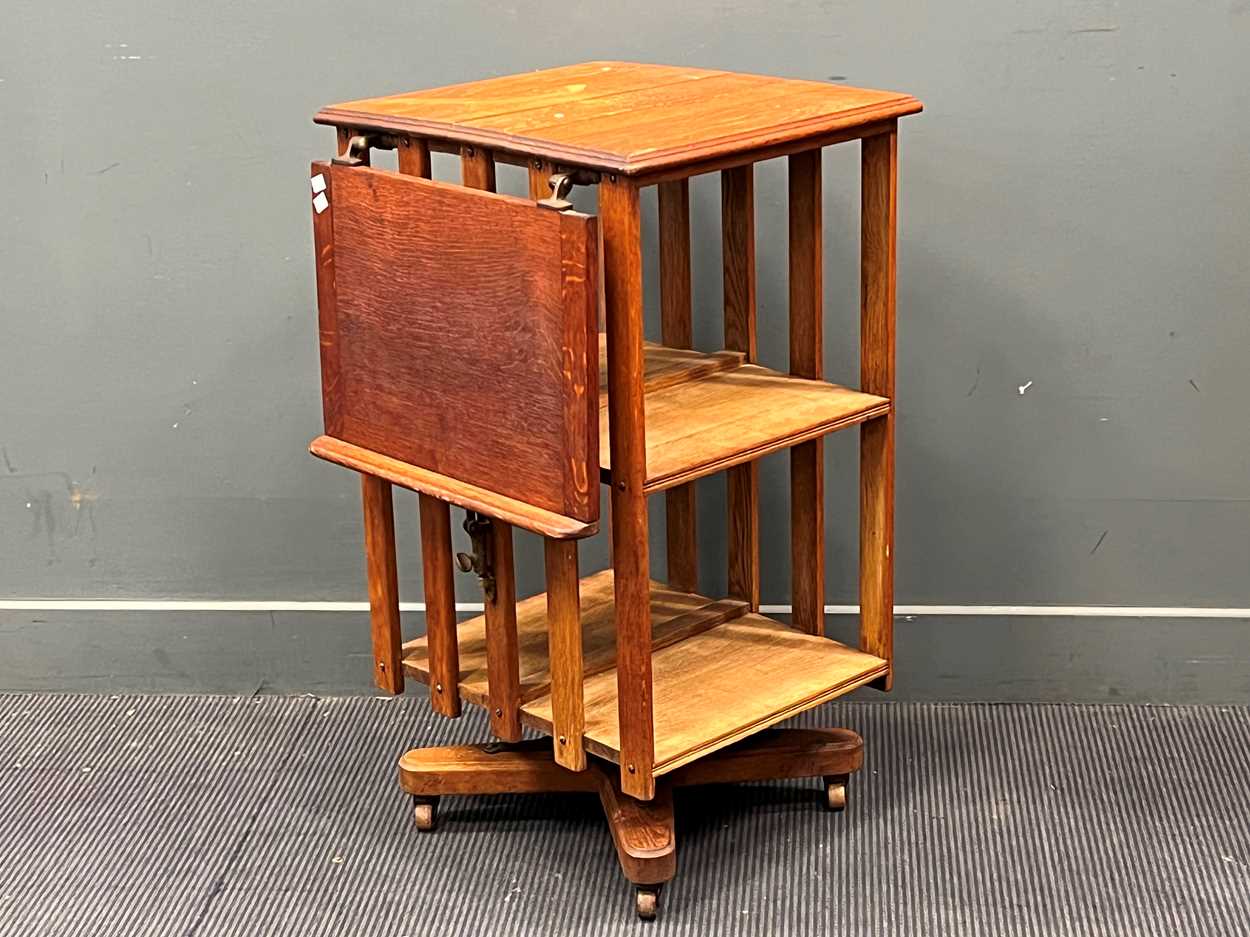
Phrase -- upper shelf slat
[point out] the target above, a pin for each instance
(624, 116)
(704, 414)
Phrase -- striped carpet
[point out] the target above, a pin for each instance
(214, 816)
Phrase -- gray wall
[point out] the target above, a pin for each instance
(1073, 290)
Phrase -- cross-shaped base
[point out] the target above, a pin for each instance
(642, 830)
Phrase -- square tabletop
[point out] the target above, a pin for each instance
(626, 117)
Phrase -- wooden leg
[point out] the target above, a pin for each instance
(502, 656)
(564, 638)
(878, 213)
(440, 606)
(384, 627)
(622, 250)
(775, 754)
(643, 831)
(497, 768)
(677, 331)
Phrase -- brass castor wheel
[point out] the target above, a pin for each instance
(835, 792)
(647, 901)
(424, 812)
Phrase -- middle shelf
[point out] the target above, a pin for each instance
(719, 672)
(707, 412)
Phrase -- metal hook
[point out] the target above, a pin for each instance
(358, 148)
(353, 155)
(561, 184)
(478, 527)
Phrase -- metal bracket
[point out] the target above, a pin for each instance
(358, 148)
(561, 184)
(480, 561)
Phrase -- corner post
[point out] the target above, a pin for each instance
(622, 254)
(878, 272)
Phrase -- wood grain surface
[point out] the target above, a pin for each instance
(878, 271)
(807, 460)
(468, 315)
(383, 580)
(626, 117)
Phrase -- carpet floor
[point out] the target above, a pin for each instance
(214, 816)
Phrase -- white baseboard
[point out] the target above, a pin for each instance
(991, 611)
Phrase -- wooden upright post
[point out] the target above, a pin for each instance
(440, 605)
(878, 219)
(677, 331)
(742, 481)
(564, 640)
(622, 254)
(807, 461)
(477, 168)
(414, 157)
(502, 653)
(384, 628)
(539, 172)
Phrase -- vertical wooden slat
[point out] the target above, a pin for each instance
(440, 605)
(677, 331)
(742, 481)
(383, 579)
(878, 221)
(622, 249)
(676, 321)
(807, 461)
(539, 173)
(502, 655)
(414, 157)
(564, 639)
(477, 168)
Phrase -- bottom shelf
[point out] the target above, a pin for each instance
(719, 673)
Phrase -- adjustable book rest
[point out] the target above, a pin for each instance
(461, 357)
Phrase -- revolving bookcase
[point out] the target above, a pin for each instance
(487, 351)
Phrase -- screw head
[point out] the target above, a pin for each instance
(562, 740)
(498, 712)
(620, 486)
(438, 687)
(632, 769)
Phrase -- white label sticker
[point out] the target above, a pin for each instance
(318, 183)
(321, 203)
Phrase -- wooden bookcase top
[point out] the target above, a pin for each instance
(625, 117)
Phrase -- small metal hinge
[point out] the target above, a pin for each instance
(358, 148)
(480, 561)
(561, 184)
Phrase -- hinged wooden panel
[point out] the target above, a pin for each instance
(459, 334)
